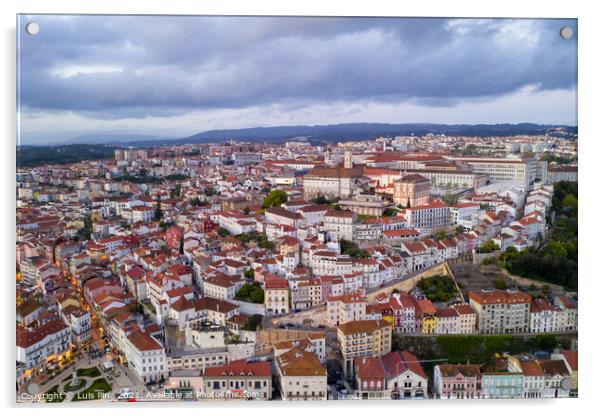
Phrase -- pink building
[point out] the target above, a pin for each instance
(457, 381)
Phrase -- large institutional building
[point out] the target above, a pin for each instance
(452, 178)
(521, 171)
(562, 173)
(411, 191)
(337, 182)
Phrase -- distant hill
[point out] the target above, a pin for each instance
(360, 131)
(112, 139)
(28, 156)
(98, 146)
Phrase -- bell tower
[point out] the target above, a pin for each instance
(348, 164)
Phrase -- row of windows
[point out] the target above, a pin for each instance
(152, 368)
(456, 386)
(237, 384)
(150, 360)
(305, 393)
(212, 358)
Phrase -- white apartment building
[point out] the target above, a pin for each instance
(465, 214)
(142, 214)
(220, 288)
(346, 307)
(36, 346)
(301, 375)
(146, 357)
(521, 171)
(501, 312)
(330, 263)
(467, 319)
(435, 214)
(566, 313)
(542, 317)
(339, 225)
(79, 321)
(562, 173)
(282, 216)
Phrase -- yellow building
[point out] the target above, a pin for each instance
(428, 312)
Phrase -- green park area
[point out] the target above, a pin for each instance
(438, 288)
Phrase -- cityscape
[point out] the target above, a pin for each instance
(320, 255)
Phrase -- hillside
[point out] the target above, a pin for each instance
(28, 156)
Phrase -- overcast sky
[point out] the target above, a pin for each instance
(176, 76)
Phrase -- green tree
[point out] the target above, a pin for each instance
(253, 323)
(86, 232)
(488, 247)
(250, 292)
(438, 288)
(440, 235)
(158, 216)
(389, 212)
(555, 248)
(223, 232)
(274, 198)
(500, 283)
(450, 199)
(256, 296)
(209, 191)
(569, 203)
(176, 191)
(351, 249)
(321, 200)
(546, 342)
(266, 244)
(196, 202)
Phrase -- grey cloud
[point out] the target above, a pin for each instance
(175, 64)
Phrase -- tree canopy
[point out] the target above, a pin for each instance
(158, 215)
(250, 292)
(352, 249)
(274, 198)
(488, 247)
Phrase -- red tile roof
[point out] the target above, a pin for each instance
(499, 297)
(144, 342)
(240, 368)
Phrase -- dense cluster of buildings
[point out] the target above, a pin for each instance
(116, 251)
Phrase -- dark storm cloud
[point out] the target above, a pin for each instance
(116, 67)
